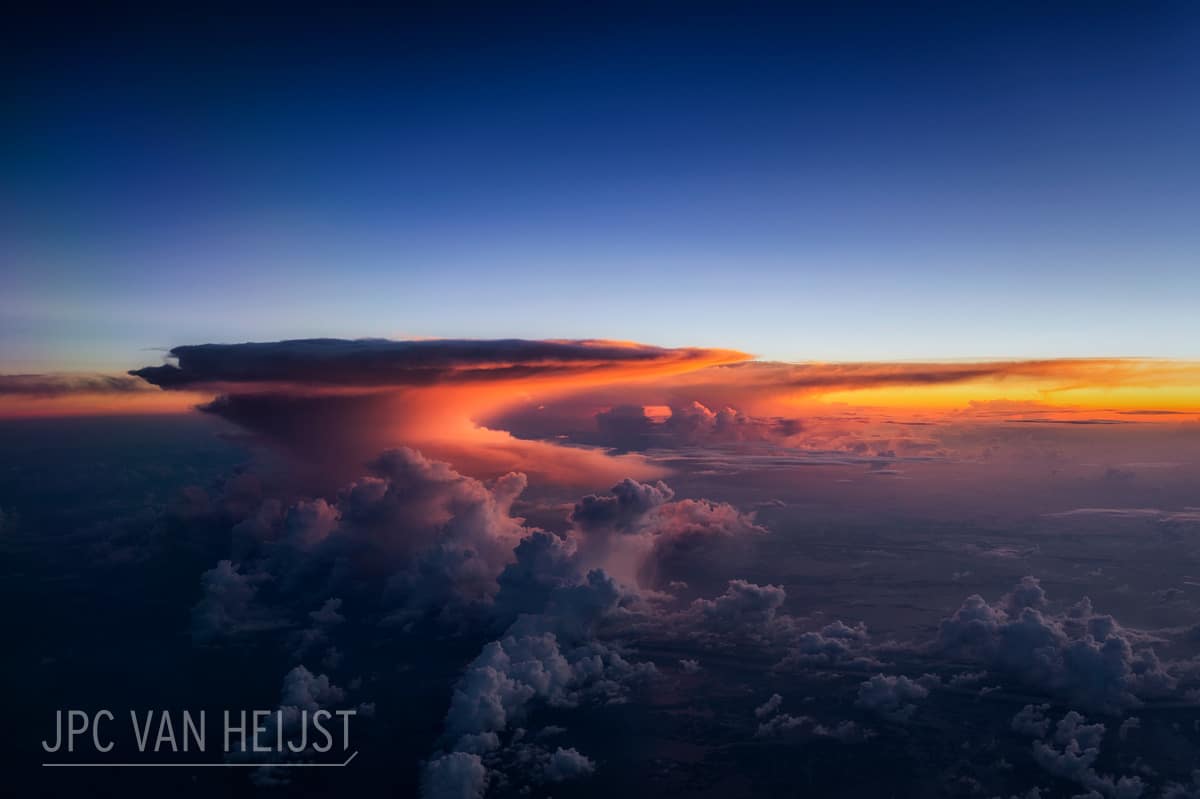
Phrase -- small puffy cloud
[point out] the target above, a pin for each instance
(1031, 720)
(567, 764)
(642, 535)
(835, 643)
(227, 605)
(1071, 754)
(327, 615)
(624, 506)
(457, 775)
(844, 731)
(891, 695)
(1127, 726)
(307, 691)
(769, 707)
(780, 724)
(745, 610)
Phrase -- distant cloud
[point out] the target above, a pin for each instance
(64, 384)
(1188, 514)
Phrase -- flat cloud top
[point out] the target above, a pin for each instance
(383, 362)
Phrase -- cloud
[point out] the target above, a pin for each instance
(745, 612)
(625, 505)
(377, 363)
(1068, 373)
(1031, 720)
(548, 657)
(57, 385)
(641, 534)
(894, 696)
(772, 723)
(567, 764)
(84, 394)
(689, 424)
(1072, 752)
(769, 707)
(835, 643)
(307, 691)
(1085, 657)
(456, 775)
(227, 606)
(781, 724)
(333, 403)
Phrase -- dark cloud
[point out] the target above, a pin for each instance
(375, 363)
(626, 504)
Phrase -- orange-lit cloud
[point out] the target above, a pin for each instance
(340, 402)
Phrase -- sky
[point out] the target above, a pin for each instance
(809, 183)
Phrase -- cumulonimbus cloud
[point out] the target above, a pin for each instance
(484, 403)
(335, 402)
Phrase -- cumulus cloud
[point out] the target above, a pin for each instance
(307, 691)
(624, 506)
(554, 601)
(640, 533)
(227, 605)
(835, 643)
(437, 538)
(688, 424)
(1071, 754)
(1085, 657)
(1031, 720)
(769, 707)
(772, 723)
(894, 696)
(746, 611)
(456, 775)
(781, 724)
(567, 764)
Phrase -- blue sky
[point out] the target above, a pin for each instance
(942, 182)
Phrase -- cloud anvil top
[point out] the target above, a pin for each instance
(378, 362)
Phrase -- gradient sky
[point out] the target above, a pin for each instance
(957, 180)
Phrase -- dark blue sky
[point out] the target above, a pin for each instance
(837, 181)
